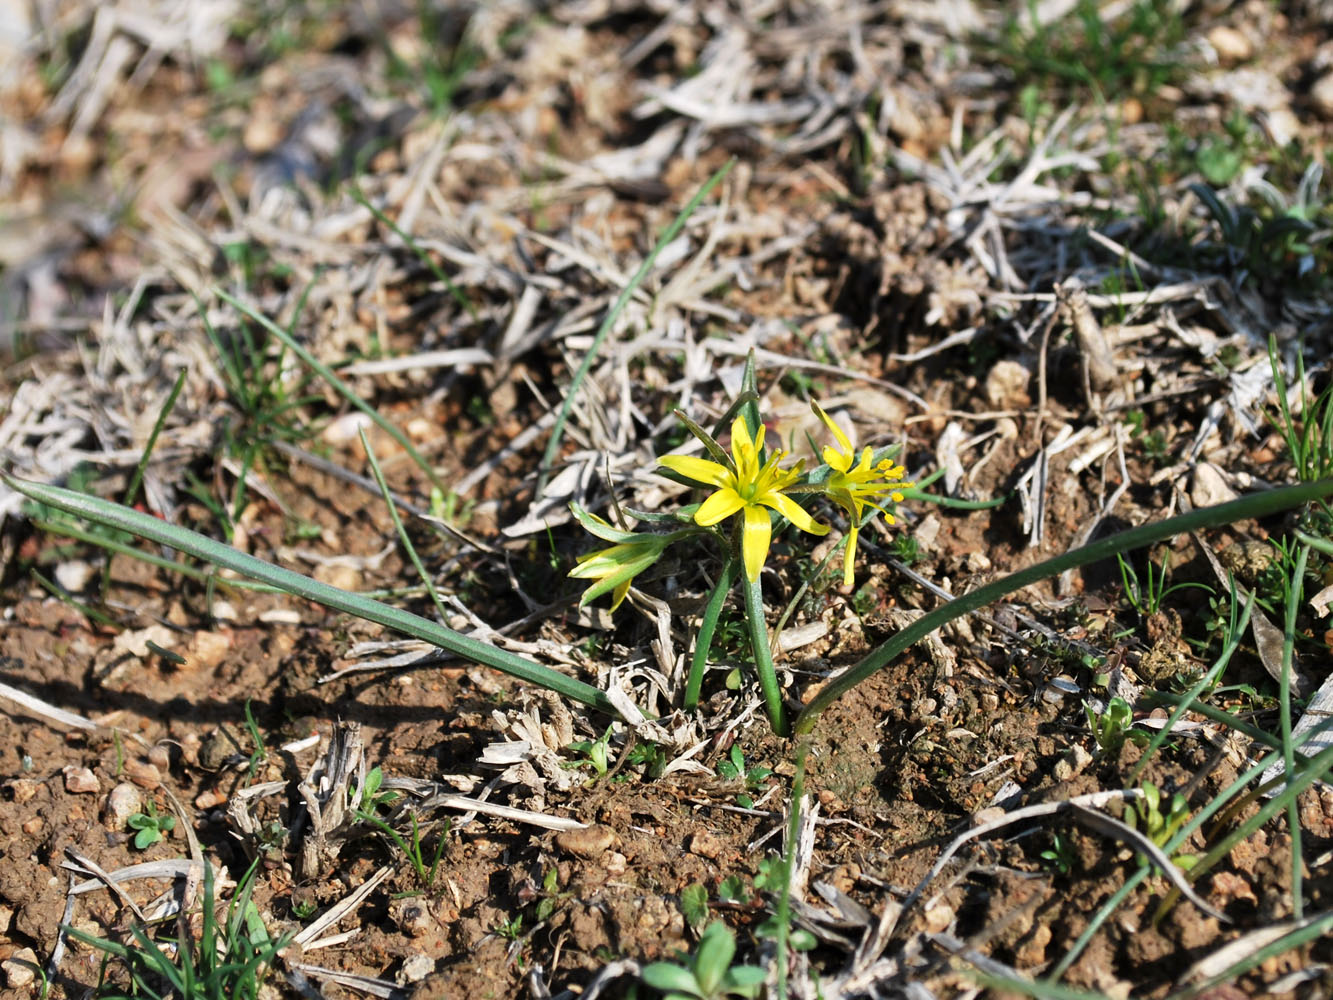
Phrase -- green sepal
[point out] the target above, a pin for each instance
(709, 442)
(595, 525)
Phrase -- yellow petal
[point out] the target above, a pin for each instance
(835, 459)
(843, 442)
(849, 557)
(701, 470)
(794, 513)
(754, 541)
(618, 595)
(744, 451)
(720, 505)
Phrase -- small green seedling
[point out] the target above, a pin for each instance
(1060, 856)
(151, 826)
(596, 752)
(1145, 814)
(733, 889)
(1146, 598)
(694, 904)
(733, 767)
(1111, 727)
(709, 975)
(370, 799)
(367, 803)
(651, 756)
(552, 896)
(231, 957)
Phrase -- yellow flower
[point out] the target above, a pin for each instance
(856, 484)
(748, 488)
(614, 568)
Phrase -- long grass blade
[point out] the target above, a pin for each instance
(339, 386)
(117, 516)
(1254, 506)
(669, 234)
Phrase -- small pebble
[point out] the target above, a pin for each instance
(74, 575)
(207, 649)
(1321, 95)
(210, 798)
(415, 968)
(705, 845)
(988, 815)
(80, 781)
(122, 802)
(588, 843)
(1231, 45)
(20, 968)
(939, 918)
(1007, 386)
(1210, 486)
(143, 774)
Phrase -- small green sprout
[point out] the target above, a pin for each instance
(1060, 856)
(1147, 598)
(231, 957)
(367, 803)
(651, 756)
(709, 975)
(733, 767)
(151, 826)
(733, 889)
(370, 799)
(1145, 815)
(694, 904)
(1112, 726)
(596, 752)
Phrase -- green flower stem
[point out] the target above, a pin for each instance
(1253, 506)
(703, 642)
(763, 659)
(115, 515)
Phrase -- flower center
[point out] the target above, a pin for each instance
(748, 490)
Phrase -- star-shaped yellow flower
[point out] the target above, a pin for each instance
(856, 484)
(749, 488)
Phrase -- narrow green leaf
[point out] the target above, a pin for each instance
(707, 440)
(1254, 506)
(118, 516)
(669, 234)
